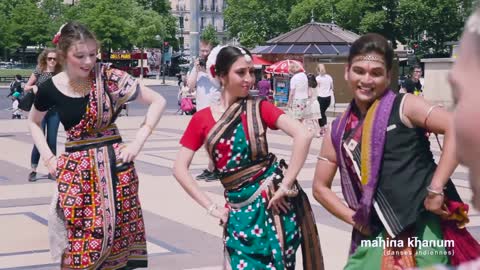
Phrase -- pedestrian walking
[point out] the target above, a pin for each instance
(267, 215)
(96, 220)
(325, 95)
(312, 113)
(16, 85)
(393, 188)
(47, 67)
(299, 94)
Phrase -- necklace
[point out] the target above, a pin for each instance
(80, 87)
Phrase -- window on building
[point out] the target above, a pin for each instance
(202, 23)
(213, 23)
(214, 5)
(202, 5)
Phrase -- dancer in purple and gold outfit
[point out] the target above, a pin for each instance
(393, 188)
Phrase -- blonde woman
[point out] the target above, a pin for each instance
(325, 94)
(299, 94)
(47, 67)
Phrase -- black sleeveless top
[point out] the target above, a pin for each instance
(406, 171)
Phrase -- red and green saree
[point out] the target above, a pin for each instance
(255, 237)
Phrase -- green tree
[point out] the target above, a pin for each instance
(428, 37)
(145, 25)
(256, 21)
(349, 13)
(323, 11)
(162, 7)
(55, 10)
(28, 25)
(380, 17)
(209, 33)
(108, 19)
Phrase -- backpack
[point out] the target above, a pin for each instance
(186, 104)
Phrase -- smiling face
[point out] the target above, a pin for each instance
(81, 58)
(465, 80)
(239, 78)
(368, 78)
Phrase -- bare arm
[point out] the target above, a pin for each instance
(35, 118)
(322, 182)
(301, 144)
(185, 179)
(439, 121)
(192, 77)
(31, 84)
(156, 107)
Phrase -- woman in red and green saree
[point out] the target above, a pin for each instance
(96, 221)
(266, 216)
(394, 191)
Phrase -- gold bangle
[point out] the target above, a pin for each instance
(293, 192)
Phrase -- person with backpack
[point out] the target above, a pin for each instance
(16, 85)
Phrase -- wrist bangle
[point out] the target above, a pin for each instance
(293, 192)
(432, 191)
(211, 208)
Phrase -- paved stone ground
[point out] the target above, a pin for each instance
(180, 235)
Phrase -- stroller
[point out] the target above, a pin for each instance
(187, 105)
(186, 101)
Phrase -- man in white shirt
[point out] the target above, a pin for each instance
(207, 93)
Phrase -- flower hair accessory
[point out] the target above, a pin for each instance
(211, 69)
(473, 23)
(247, 57)
(56, 38)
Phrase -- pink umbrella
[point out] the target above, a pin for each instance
(281, 67)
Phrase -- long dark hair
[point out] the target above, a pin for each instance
(312, 81)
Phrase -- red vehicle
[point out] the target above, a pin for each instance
(128, 61)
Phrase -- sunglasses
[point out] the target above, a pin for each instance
(51, 59)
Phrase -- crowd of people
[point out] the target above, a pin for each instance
(393, 188)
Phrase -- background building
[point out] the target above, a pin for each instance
(209, 12)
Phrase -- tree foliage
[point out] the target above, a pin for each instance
(255, 21)
(427, 24)
(162, 7)
(209, 33)
(28, 25)
(118, 24)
